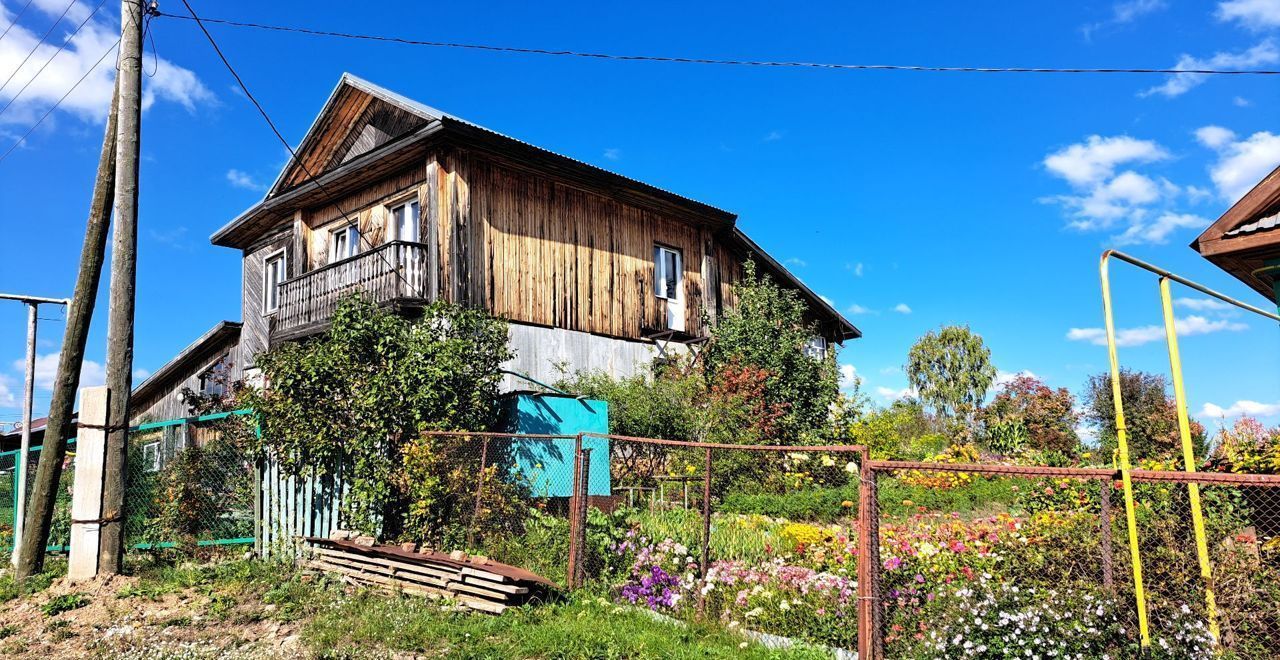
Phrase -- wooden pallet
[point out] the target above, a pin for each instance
(491, 591)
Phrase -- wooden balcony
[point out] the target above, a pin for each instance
(395, 274)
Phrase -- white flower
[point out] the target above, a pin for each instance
(850, 467)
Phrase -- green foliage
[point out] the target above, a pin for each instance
(661, 406)
(1028, 413)
(1150, 416)
(354, 399)
(64, 603)
(901, 430)
(581, 627)
(810, 504)
(980, 496)
(767, 330)
(951, 370)
(11, 588)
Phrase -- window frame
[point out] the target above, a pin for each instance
(352, 248)
(405, 203)
(659, 273)
(151, 463)
(271, 299)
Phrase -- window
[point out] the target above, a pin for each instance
(213, 381)
(344, 242)
(405, 219)
(816, 348)
(668, 284)
(273, 273)
(151, 456)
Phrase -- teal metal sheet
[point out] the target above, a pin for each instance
(547, 465)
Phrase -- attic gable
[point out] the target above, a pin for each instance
(355, 121)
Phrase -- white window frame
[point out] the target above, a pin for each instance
(816, 347)
(397, 232)
(151, 456)
(350, 233)
(674, 299)
(270, 290)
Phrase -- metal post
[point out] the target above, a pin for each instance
(580, 569)
(28, 396)
(1122, 440)
(1188, 457)
(867, 554)
(1104, 524)
(704, 560)
(475, 516)
(572, 567)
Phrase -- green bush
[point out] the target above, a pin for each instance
(809, 504)
(981, 496)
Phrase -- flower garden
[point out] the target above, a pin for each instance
(996, 567)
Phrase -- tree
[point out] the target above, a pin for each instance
(1151, 417)
(355, 400)
(1048, 416)
(951, 370)
(766, 330)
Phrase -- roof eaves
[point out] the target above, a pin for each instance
(222, 329)
(852, 331)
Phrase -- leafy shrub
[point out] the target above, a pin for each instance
(64, 603)
(814, 504)
(954, 454)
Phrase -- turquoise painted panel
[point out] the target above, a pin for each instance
(547, 465)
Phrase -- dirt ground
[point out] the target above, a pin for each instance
(113, 624)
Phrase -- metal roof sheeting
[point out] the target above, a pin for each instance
(1264, 224)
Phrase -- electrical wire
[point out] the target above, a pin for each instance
(55, 105)
(292, 154)
(721, 62)
(55, 55)
(15, 20)
(38, 45)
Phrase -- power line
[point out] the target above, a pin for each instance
(722, 62)
(38, 45)
(55, 105)
(55, 55)
(293, 154)
(15, 20)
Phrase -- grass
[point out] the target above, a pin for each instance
(64, 603)
(11, 589)
(583, 627)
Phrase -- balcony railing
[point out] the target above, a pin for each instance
(390, 273)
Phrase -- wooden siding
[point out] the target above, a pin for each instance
(167, 402)
(365, 207)
(254, 334)
(535, 250)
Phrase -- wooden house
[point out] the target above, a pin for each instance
(593, 270)
(1245, 241)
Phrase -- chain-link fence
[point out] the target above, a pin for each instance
(190, 484)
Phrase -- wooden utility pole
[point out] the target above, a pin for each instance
(124, 276)
(28, 395)
(44, 490)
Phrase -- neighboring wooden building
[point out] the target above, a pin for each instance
(209, 365)
(1245, 241)
(411, 205)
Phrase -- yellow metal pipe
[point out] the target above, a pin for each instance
(1122, 439)
(1188, 455)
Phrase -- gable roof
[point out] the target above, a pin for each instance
(224, 334)
(1247, 235)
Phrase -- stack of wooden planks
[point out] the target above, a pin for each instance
(477, 583)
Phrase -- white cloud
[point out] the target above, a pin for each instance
(613, 153)
(1240, 408)
(1005, 377)
(1243, 163)
(1097, 157)
(848, 376)
(1241, 102)
(774, 136)
(141, 374)
(1203, 305)
(890, 370)
(890, 394)
(902, 308)
(857, 309)
(91, 98)
(91, 373)
(1157, 231)
(796, 262)
(8, 398)
(1187, 326)
(1214, 136)
(857, 269)
(1124, 12)
(1180, 83)
(1250, 14)
(241, 179)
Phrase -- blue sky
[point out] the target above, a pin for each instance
(910, 200)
